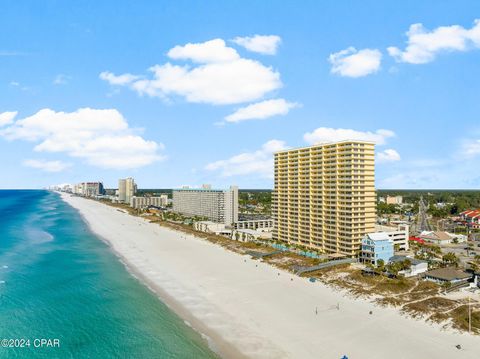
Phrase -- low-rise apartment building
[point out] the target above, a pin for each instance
(219, 229)
(255, 224)
(144, 202)
(249, 235)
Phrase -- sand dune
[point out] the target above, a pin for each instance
(251, 309)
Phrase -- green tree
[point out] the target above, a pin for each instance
(450, 258)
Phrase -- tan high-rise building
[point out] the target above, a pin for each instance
(126, 189)
(324, 196)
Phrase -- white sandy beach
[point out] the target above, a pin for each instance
(249, 310)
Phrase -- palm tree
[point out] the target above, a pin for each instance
(381, 265)
(450, 258)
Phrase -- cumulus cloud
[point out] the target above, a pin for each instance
(355, 63)
(388, 155)
(263, 44)
(101, 137)
(6, 118)
(206, 52)
(262, 110)
(258, 162)
(47, 166)
(220, 77)
(326, 135)
(423, 45)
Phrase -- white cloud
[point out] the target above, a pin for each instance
(47, 166)
(388, 155)
(261, 110)
(61, 79)
(423, 45)
(355, 63)
(101, 137)
(326, 135)
(222, 77)
(124, 79)
(471, 148)
(263, 44)
(259, 162)
(6, 118)
(205, 52)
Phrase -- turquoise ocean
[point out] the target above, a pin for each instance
(59, 281)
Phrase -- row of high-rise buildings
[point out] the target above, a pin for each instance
(323, 199)
(88, 189)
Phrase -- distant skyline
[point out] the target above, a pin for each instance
(192, 92)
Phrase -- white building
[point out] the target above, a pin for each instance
(248, 235)
(216, 205)
(89, 189)
(398, 234)
(416, 266)
(144, 202)
(126, 189)
(439, 237)
(255, 224)
(212, 227)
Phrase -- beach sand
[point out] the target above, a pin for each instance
(251, 309)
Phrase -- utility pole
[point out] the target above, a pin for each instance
(469, 316)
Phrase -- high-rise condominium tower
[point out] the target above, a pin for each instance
(216, 205)
(324, 196)
(126, 189)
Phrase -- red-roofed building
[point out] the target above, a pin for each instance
(471, 218)
(416, 239)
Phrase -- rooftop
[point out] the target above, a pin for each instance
(448, 274)
(414, 261)
(437, 235)
(378, 236)
(384, 228)
(326, 144)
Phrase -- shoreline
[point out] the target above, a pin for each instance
(201, 293)
(212, 339)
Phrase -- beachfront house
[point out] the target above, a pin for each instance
(416, 266)
(448, 275)
(376, 246)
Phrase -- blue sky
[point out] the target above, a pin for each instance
(191, 92)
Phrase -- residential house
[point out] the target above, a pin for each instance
(376, 246)
(416, 266)
(448, 275)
